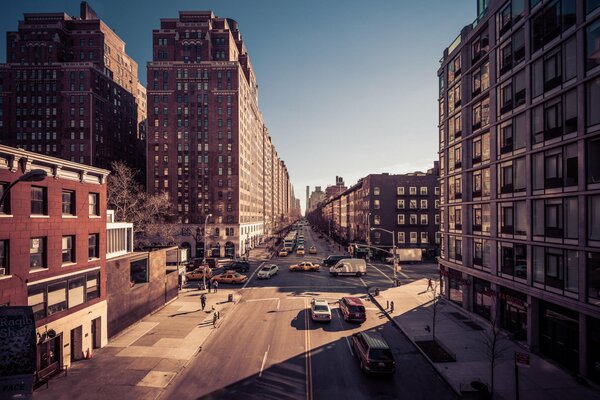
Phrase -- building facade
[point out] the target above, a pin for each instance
(52, 253)
(519, 125)
(336, 189)
(69, 90)
(207, 144)
(315, 198)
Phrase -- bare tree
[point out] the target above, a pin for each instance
(494, 342)
(151, 214)
(435, 302)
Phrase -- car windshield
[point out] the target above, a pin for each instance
(321, 308)
(237, 275)
(265, 269)
(381, 354)
(356, 309)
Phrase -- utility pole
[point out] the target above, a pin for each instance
(368, 237)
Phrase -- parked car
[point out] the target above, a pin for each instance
(320, 310)
(305, 266)
(373, 353)
(199, 273)
(349, 266)
(353, 309)
(267, 271)
(300, 252)
(238, 266)
(283, 252)
(332, 260)
(312, 250)
(230, 277)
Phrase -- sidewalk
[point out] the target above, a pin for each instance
(143, 359)
(462, 335)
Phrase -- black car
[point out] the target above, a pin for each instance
(332, 260)
(374, 353)
(237, 266)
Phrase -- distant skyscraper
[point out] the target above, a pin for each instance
(208, 147)
(519, 118)
(307, 207)
(69, 89)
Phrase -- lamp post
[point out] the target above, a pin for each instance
(35, 175)
(204, 255)
(368, 236)
(393, 251)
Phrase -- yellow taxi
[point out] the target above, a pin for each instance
(283, 252)
(305, 266)
(312, 250)
(300, 252)
(230, 277)
(199, 273)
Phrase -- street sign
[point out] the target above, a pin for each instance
(522, 359)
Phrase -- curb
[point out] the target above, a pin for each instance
(374, 300)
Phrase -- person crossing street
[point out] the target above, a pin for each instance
(203, 301)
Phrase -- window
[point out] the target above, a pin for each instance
(376, 191)
(413, 191)
(592, 51)
(594, 218)
(509, 15)
(68, 202)
(423, 190)
(413, 219)
(424, 238)
(68, 249)
(512, 176)
(593, 272)
(555, 168)
(512, 218)
(39, 200)
(413, 204)
(37, 253)
(376, 220)
(481, 114)
(423, 204)
(481, 253)
(57, 297)
(480, 46)
(400, 190)
(554, 68)
(139, 271)
(401, 219)
(413, 237)
(593, 162)
(512, 93)
(400, 204)
(511, 52)
(556, 218)
(92, 286)
(593, 102)
(5, 206)
(93, 246)
(555, 269)
(512, 260)
(376, 204)
(591, 5)
(453, 69)
(551, 21)
(76, 291)
(481, 79)
(4, 260)
(94, 204)
(401, 238)
(424, 219)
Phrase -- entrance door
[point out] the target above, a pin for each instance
(76, 343)
(96, 333)
(49, 357)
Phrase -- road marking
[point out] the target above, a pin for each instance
(363, 282)
(265, 299)
(398, 272)
(381, 272)
(308, 360)
(262, 366)
(278, 304)
(252, 276)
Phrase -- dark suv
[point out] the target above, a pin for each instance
(332, 260)
(237, 266)
(353, 309)
(373, 353)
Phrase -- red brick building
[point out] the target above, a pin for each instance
(52, 253)
(69, 90)
(207, 144)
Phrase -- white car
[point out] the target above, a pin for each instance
(320, 311)
(267, 271)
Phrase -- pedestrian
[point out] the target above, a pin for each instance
(215, 318)
(429, 284)
(215, 286)
(203, 301)
(209, 285)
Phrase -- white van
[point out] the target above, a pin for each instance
(349, 266)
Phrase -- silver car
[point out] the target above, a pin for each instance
(267, 271)
(320, 310)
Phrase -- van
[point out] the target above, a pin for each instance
(349, 266)
(353, 309)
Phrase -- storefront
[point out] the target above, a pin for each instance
(482, 298)
(453, 280)
(229, 250)
(49, 354)
(559, 335)
(513, 313)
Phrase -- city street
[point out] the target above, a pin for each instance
(268, 347)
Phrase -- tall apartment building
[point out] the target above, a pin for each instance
(315, 198)
(405, 204)
(207, 144)
(519, 134)
(336, 189)
(69, 90)
(53, 253)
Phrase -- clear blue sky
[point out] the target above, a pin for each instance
(346, 87)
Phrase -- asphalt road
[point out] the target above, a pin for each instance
(268, 348)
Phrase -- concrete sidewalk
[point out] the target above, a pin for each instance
(462, 334)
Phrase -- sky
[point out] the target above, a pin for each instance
(346, 87)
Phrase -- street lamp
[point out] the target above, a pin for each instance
(368, 236)
(35, 175)
(393, 251)
(204, 255)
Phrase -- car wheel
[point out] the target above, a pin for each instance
(358, 274)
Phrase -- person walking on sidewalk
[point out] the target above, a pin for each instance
(203, 301)
(215, 286)
(429, 284)
(215, 318)
(209, 285)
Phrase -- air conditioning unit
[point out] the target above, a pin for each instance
(2, 271)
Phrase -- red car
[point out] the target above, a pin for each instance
(353, 309)
(373, 353)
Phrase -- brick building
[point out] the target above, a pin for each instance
(69, 90)
(52, 253)
(519, 125)
(207, 144)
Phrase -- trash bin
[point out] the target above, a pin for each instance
(230, 297)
